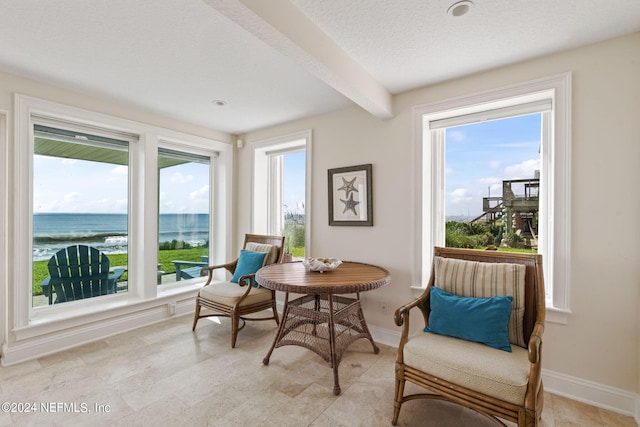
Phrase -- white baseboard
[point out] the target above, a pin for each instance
(63, 339)
(592, 393)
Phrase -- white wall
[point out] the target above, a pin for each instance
(598, 348)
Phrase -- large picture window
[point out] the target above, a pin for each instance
(492, 179)
(80, 199)
(96, 199)
(546, 179)
(183, 215)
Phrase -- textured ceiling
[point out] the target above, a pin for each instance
(279, 60)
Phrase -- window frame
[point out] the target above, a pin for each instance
(28, 323)
(267, 178)
(4, 230)
(556, 177)
(164, 143)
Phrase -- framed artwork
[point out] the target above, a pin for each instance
(350, 196)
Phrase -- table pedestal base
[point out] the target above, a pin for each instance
(325, 324)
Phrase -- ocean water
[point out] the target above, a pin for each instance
(108, 232)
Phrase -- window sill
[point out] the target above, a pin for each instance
(557, 315)
(108, 310)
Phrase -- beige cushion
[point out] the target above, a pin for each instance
(476, 366)
(229, 293)
(486, 279)
(271, 250)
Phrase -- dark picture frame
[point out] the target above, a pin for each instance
(350, 201)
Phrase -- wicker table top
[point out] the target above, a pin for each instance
(349, 277)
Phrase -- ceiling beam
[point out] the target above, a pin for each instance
(285, 28)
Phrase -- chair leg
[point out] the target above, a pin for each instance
(196, 316)
(235, 321)
(398, 398)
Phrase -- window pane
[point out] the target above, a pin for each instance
(80, 199)
(492, 184)
(293, 195)
(183, 235)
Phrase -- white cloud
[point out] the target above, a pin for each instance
(495, 164)
(198, 200)
(456, 135)
(180, 178)
(202, 192)
(490, 180)
(120, 170)
(522, 170)
(72, 197)
(460, 195)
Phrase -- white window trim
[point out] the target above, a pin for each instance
(4, 230)
(144, 292)
(217, 252)
(264, 183)
(430, 201)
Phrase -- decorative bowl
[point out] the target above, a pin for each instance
(321, 264)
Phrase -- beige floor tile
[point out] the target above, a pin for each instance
(167, 375)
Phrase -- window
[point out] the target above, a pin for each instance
(492, 171)
(281, 190)
(80, 197)
(96, 180)
(550, 99)
(183, 215)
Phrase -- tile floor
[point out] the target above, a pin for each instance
(166, 375)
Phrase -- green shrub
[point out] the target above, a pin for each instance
(513, 240)
(471, 235)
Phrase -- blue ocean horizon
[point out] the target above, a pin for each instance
(108, 232)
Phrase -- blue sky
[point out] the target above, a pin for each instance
(480, 156)
(67, 185)
(294, 182)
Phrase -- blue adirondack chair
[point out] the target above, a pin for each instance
(193, 269)
(79, 272)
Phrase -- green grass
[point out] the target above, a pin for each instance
(298, 252)
(523, 250)
(165, 258)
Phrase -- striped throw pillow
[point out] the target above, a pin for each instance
(483, 280)
(272, 251)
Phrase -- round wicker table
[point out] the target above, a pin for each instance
(323, 320)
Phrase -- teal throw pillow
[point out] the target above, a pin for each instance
(248, 263)
(483, 320)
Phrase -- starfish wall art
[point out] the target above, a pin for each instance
(350, 196)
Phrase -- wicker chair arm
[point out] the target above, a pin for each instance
(208, 270)
(403, 312)
(535, 343)
(247, 280)
(420, 302)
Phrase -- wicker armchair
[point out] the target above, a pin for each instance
(499, 384)
(235, 299)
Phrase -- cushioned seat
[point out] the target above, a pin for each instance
(241, 295)
(230, 293)
(481, 340)
(472, 365)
